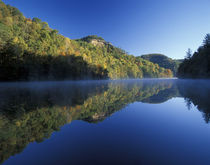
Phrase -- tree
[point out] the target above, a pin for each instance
(188, 54)
(206, 41)
(37, 20)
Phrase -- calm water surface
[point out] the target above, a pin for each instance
(105, 122)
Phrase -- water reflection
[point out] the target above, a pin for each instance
(196, 92)
(33, 111)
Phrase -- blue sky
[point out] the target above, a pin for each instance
(169, 27)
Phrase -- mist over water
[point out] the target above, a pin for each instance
(151, 121)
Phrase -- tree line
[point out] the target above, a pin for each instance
(197, 64)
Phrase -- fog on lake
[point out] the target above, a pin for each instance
(151, 121)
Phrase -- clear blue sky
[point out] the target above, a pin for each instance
(137, 26)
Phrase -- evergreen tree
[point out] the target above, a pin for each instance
(188, 54)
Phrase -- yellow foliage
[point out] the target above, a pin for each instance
(15, 40)
(9, 21)
(77, 53)
(67, 40)
(105, 94)
(28, 21)
(63, 53)
(78, 107)
(85, 56)
(18, 124)
(105, 65)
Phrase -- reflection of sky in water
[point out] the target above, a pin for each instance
(164, 133)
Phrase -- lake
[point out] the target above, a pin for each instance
(150, 122)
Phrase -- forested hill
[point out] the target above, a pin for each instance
(163, 61)
(31, 50)
(197, 65)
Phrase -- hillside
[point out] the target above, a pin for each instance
(163, 61)
(31, 50)
(197, 65)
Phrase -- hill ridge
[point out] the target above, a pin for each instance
(31, 50)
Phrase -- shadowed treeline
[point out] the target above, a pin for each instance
(197, 65)
(33, 111)
(30, 67)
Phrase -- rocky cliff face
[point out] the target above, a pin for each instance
(96, 42)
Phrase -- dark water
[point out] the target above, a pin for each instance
(105, 122)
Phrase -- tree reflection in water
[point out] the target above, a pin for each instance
(33, 111)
